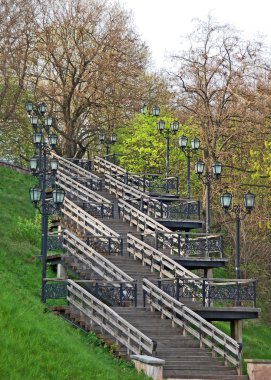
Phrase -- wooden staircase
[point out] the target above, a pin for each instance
(185, 357)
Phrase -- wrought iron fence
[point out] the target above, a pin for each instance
(97, 209)
(207, 291)
(54, 242)
(85, 164)
(105, 245)
(55, 289)
(191, 244)
(114, 294)
(151, 183)
(91, 183)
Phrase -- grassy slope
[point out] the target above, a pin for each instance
(35, 344)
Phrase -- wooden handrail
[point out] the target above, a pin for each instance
(72, 186)
(103, 166)
(96, 311)
(71, 167)
(139, 219)
(86, 221)
(156, 260)
(190, 322)
(77, 248)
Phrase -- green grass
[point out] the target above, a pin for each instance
(35, 344)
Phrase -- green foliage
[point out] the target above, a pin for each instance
(142, 149)
(29, 229)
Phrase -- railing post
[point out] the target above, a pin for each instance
(121, 294)
(203, 293)
(144, 297)
(238, 293)
(179, 244)
(109, 245)
(135, 293)
(254, 293)
(156, 240)
(178, 289)
(121, 247)
(144, 183)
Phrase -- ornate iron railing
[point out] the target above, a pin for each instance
(85, 164)
(190, 244)
(55, 288)
(54, 242)
(209, 290)
(90, 183)
(97, 209)
(150, 183)
(106, 245)
(113, 293)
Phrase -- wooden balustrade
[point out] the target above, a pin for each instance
(190, 322)
(156, 260)
(77, 189)
(139, 219)
(72, 169)
(84, 221)
(95, 311)
(92, 259)
(103, 166)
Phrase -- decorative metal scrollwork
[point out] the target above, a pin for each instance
(115, 295)
(105, 245)
(55, 290)
(54, 242)
(208, 292)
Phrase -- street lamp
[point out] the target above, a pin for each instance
(107, 140)
(238, 213)
(44, 140)
(166, 132)
(188, 152)
(144, 110)
(207, 178)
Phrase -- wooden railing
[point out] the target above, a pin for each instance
(139, 219)
(71, 169)
(103, 166)
(190, 322)
(90, 200)
(156, 260)
(75, 247)
(95, 311)
(76, 216)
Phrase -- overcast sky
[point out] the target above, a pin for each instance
(161, 23)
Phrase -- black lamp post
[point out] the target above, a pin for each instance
(188, 152)
(145, 111)
(207, 178)
(47, 203)
(107, 140)
(166, 132)
(238, 213)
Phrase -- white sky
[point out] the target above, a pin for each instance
(161, 23)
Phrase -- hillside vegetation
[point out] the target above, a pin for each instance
(35, 344)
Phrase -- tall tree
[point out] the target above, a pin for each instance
(88, 65)
(215, 82)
